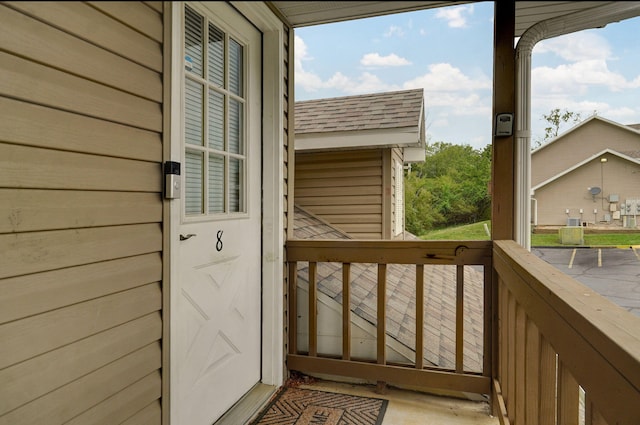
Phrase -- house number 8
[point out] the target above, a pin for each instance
(219, 242)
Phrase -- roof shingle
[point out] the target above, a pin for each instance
(397, 109)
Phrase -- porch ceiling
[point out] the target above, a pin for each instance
(528, 13)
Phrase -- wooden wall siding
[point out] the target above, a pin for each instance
(80, 212)
(396, 158)
(343, 188)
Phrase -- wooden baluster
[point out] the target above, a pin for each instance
(532, 373)
(293, 307)
(548, 390)
(568, 396)
(521, 382)
(488, 316)
(419, 316)
(591, 414)
(346, 311)
(382, 295)
(459, 318)
(313, 310)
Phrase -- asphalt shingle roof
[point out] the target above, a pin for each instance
(397, 109)
(439, 298)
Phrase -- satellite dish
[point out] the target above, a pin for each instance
(594, 191)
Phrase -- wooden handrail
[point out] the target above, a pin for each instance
(557, 337)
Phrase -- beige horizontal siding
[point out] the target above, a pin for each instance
(23, 79)
(135, 15)
(28, 210)
(343, 191)
(368, 181)
(39, 375)
(150, 415)
(360, 218)
(32, 336)
(36, 293)
(66, 402)
(28, 124)
(155, 5)
(338, 200)
(124, 404)
(343, 188)
(87, 23)
(81, 212)
(58, 49)
(336, 172)
(35, 252)
(28, 167)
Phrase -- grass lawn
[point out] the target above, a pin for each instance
(467, 232)
(590, 239)
(477, 232)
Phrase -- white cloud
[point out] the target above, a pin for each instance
(576, 47)
(577, 78)
(444, 77)
(585, 72)
(394, 30)
(307, 80)
(374, 59)
(365, 83)
(455, 15)
(301, 51)
(623, 115)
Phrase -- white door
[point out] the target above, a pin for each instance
(216, 322)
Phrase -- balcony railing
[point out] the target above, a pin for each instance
(566, 355)
(384, 254)
(553, 351)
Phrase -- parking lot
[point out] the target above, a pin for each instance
(614, 272)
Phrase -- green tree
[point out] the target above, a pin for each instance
(555, 119)
(448, 188)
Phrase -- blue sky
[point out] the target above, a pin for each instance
(448, 52)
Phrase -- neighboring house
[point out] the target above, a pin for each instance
(350, 157)
(589, 175)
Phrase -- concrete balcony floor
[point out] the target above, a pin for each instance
(416, 408)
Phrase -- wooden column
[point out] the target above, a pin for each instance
(504, 82)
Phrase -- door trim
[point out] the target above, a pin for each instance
(272, 365)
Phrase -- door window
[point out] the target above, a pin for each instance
(214, 120)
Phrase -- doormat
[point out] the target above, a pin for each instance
(311, 407)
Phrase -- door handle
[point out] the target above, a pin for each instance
(184, 238)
